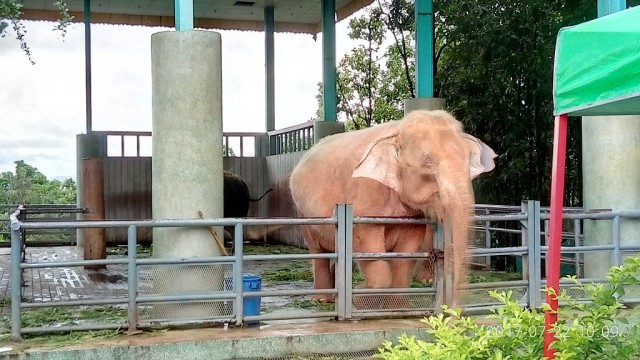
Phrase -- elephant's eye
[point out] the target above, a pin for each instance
(428, 161)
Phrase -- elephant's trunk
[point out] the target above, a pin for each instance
(458, 202)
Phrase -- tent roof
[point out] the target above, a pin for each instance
(597, 66)
(297, 16)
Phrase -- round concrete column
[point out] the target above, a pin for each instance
(187, 162)
(423, 104)
(87, 146)
(611, 172)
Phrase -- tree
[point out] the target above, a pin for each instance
(10, 12)
(29, 186)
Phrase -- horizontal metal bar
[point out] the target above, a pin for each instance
(502, 217)
(425, 290)
(512, 250)
(289, 257)
(419, 255)
(154, 323)
(162, 298)
(174, 223)
(70, 328)
(494, 284)
(609, 215)
(88, 302)
(591, 248)
(391, 220)
(564, 281)
(495, 229)
(57, 264)
(291, 316)
(217, 260)
(268, 293)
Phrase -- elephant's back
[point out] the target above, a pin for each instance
(322, 178)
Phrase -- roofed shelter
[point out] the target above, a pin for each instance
(596, 74)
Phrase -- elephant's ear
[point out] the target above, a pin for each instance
(482, 156)
(380, 162)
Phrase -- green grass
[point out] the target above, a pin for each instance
(143, 251)
(64, 316)
(272, 249)
(289, 274)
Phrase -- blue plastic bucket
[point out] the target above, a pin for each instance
(250, 283)
(251, 305)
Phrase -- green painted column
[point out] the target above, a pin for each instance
(329, 91)
(87, 65)
(606, 7)
(424, 48)
(611, 169)
(269, 67)
(184, 14)
(424, 99)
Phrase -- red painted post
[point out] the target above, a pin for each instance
(555, 227)
(95, 242)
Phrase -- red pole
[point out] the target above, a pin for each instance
(555, 227)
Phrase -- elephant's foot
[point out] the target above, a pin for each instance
(323, 298)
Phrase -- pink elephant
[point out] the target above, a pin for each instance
(419, 166)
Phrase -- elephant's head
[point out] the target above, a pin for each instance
(430, 162)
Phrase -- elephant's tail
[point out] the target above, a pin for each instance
(260, 198)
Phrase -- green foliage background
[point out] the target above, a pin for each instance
(27, 185)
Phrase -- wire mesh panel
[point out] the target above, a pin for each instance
(172, 280)
(370, 304)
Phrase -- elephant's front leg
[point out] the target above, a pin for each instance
(323, 277)
(370, 239)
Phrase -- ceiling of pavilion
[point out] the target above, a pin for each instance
(298, 16)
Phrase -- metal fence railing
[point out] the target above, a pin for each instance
(147, 305)
(41, 213)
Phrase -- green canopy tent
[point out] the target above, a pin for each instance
(596, 72)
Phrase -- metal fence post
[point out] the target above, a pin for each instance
(529, 240)
(132, 278)
(16, 281)
(348, 261)
(340, 279)
(616, 241)
(487, 238)
(535, 270)
(238, 266)
(438, 274)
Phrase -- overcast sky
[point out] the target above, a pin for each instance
(42, 105)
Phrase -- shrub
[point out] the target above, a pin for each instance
(585, 330)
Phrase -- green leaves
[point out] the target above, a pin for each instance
(593, 330)
(10, 12)
(29, 186)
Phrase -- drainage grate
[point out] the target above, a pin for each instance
(365, 354)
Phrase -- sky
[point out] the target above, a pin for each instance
(42, 106)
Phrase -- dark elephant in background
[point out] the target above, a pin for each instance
(237, 199)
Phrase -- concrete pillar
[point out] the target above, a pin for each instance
(329, 76)
(187, 162)
(325, 128)
(269, 67)
(87, 146)
(95, 246)
(611, 169)
(424, 104)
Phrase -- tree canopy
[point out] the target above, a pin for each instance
(493, 66)
(27, 185)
